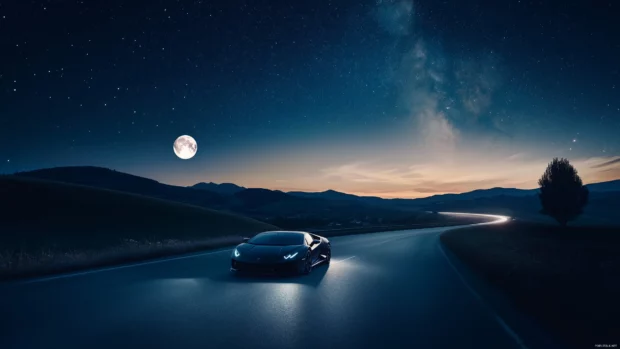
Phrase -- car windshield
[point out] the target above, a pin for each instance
(278, 239)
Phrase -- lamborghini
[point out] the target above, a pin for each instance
(281, 252)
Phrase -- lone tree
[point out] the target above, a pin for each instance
(562, 193)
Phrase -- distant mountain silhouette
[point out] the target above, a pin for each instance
(256, 197)
(109, 179)
(223, 188)
(605, 186)
(330, 204)
(333, 195)
(479, 194)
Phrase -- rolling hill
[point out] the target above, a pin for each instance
(109, 179)
(611, 186)
(254, 202)
(333, 195)
(38, 213)
(223, 188)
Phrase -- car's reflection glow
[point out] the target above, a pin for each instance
(498, 218)
(178, 287)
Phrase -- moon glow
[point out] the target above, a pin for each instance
(185, 147)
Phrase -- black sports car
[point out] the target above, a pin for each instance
(281, 251)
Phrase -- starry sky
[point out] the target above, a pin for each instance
(392, 98)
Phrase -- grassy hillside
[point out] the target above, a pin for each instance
(40, 213)
(41, 218)
(109, 179)
(568, 279)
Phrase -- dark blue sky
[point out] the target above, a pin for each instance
(384, 97)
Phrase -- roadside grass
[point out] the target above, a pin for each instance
(18, 264)
(568, 279)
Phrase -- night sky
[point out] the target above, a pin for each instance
(391, 98)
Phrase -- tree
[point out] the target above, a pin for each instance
(562, 193)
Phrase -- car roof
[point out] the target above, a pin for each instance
(283, 232)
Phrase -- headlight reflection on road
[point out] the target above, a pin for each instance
(283, 306)
(177, 289)
(498, 218)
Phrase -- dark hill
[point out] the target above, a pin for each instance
(223, 188)
(39, 213)
(335, 195)
(613, 186)
(255, 197)
(114, 180)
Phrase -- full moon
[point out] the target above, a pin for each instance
(185, 147)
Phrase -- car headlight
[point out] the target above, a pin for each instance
(236, 253)
(290, 256)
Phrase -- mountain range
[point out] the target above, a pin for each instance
(332, 205)
(222, 188)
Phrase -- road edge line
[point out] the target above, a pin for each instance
(476, 295)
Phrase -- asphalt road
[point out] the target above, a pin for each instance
(382, 290)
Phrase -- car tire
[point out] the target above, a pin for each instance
(328, 259)
(307, 265)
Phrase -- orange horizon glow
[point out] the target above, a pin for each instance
(456, 176)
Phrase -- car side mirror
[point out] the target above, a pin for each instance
(246, 239)
(316, 241)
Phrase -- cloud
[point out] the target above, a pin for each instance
(369, 179)
(469, 172)
(516, 156)
(363, 173)
(615, 161)
(395, 16)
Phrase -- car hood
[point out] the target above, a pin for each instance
(265, 252)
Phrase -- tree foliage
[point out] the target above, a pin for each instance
(562, 193)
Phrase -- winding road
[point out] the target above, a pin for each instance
(382, 290)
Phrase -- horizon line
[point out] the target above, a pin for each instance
(288, 191)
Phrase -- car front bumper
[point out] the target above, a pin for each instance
(284, 267)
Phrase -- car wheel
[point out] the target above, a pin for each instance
(307, 268)
(328, 258)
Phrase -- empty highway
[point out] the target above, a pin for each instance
(382, 290)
